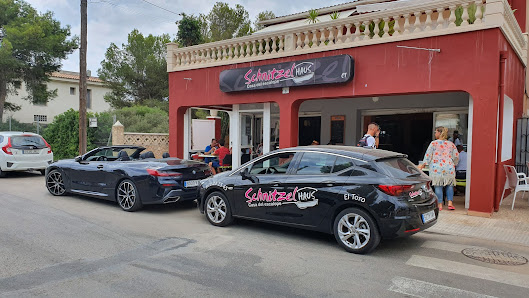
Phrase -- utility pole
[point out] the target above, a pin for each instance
(82, 81)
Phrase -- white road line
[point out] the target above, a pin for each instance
(506, 277)
(453, 247)
(418, 288)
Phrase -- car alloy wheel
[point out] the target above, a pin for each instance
(218, 210)
(127, 196)
(356, 231)
(55, 183)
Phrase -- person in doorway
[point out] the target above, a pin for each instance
(442, 158)
(456, 139)
(370, 139)
(221, 153)
(461, 167)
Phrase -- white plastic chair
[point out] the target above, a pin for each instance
(516, 181)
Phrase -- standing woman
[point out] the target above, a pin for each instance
(442, 157)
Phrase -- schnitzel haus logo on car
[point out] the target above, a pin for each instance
(302, 197)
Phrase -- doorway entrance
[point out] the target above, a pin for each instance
(309, 130)
(406, 133)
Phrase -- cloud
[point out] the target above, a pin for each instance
(110, 21)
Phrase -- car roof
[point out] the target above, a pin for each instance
(367, 154)
(17, 133)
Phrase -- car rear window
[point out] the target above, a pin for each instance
(399, 167)
(19, 141)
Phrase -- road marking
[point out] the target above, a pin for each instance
(506, 277)
(419, 288)
(453, 247)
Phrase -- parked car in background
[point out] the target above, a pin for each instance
(124, 174)
(23, 151)
(359, 195)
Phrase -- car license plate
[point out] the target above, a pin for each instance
(30, 151)
(428, 216)
(191, 183)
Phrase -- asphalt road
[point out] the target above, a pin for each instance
(83, 247)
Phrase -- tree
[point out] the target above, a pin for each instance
(137, 71)
(189, 31)
(32, 48)
(263, 16)
(225, 22)
(143, 119)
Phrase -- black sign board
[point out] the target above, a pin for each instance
(326, 70)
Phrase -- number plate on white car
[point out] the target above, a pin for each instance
(191, 183)
(30, 151)
(428, 216)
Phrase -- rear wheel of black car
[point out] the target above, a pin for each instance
(218, 209)
(55, 183)
(356, 231)
(127, 196)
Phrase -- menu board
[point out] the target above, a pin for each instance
(337, 129)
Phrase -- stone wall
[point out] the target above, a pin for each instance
(158, 143)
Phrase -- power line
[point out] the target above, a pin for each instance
(159, 7)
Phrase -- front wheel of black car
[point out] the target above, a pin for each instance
(356, 231)
(218, 209)
(55, 183)
(127, 196)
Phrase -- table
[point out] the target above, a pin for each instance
(207, 155)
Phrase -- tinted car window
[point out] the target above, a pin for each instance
(27, 141)
(342, 163)
(315, 163)
(399, 167)
(275, 164)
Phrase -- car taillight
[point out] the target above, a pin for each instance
(395, 190)
(157, 173)
(47, 145)
(7, 148)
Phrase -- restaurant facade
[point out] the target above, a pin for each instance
(408, 65)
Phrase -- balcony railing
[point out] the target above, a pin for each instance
(433, 18)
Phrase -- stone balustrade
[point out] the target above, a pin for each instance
(432, 18)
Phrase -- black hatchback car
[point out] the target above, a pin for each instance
(360, 195)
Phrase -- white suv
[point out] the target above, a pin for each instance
(23, 151)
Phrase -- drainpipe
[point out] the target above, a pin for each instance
(501, 90)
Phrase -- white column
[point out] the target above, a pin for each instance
(187, 133)
(266, 128)
(469, 149)
(235, 136)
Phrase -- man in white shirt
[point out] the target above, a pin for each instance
(371, 137)
(456, 138)
(462, 164)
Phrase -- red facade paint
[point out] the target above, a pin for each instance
(467, 62)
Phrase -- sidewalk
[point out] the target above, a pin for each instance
(506, 225)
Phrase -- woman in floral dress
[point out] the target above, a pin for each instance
(442, 157)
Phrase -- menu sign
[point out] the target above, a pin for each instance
(326, 70)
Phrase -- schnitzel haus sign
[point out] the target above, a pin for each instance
(326, 70)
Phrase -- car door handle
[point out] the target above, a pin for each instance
(275, 183)
(100, 166)
(329, 183)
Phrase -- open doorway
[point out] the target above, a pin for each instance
(406, 133)
(309, 130)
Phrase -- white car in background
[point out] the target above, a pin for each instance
(23, 151)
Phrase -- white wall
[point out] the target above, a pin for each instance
(352, 109)
(60, 104)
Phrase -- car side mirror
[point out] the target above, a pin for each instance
(247, 176)
(78, 158)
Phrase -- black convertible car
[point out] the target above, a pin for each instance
(360, 195)
(123, 174)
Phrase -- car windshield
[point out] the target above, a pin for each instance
(400, 167)
(19, 141)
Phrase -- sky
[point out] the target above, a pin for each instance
(110, 21)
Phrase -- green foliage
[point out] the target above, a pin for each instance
(263, 16)
(18, 126)
(63, 136)
(189, 31)
(136, 72)
(32, 48)
(143, 119)
(225, 22)
(312, 18)
(335, 15)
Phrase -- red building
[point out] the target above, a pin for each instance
(415, 65)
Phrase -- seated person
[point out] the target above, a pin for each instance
(209, 150)
(461, 167)
(221, 153)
